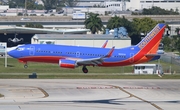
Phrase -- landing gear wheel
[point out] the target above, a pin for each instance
(84, 69)
(25, 66)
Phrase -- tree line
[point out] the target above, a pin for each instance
(157, 11)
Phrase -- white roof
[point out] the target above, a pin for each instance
(145, 65)
(13, 29)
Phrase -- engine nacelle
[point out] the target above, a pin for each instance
(67, 63)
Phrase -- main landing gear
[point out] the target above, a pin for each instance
(84, 69)
(25, 65)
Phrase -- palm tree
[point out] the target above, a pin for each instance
(114, 22)
(177, 30)
(50, 4)
(93, 23)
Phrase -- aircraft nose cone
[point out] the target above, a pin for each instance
(10, 53)
(13, 54)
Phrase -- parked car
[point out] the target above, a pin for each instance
(2, 14)
(50, 11)
(61, 11)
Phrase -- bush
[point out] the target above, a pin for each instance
(52, 15)
(33, 15)
(26, 15)
(19, 14)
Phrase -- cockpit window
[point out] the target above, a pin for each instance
(19, 49)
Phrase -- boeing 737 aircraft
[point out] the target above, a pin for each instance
(75, 56)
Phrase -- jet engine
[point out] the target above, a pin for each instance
(67, 63)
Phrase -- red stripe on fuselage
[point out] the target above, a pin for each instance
(46, 59)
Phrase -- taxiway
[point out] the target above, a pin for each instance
(89, 94)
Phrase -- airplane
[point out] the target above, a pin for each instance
(74, 56)
(15, 40)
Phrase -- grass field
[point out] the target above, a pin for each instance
(16, 67)
(16, 70)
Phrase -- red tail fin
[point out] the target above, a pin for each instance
(151, 42)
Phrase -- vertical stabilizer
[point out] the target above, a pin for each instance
(151, 42)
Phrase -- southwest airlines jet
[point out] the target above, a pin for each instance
(74, 56)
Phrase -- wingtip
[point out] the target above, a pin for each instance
(110, 52)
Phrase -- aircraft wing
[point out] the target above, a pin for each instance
(91, 61)
(95, 61)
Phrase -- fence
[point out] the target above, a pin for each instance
(172, 64)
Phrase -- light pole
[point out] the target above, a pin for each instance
(66, 8)
(25, 8)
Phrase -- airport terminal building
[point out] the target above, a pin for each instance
(94, 40)
(132, 5)
(100, 6)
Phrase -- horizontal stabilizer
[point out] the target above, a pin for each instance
(152, 55)
(104, 45)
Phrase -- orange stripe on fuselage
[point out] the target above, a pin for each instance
(46, 59)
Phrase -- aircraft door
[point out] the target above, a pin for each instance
(77, 54)
(31, 50)
(131, 60)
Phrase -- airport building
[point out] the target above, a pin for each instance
(93, 40)
(123, 5)
(79, 37)
(101, 6)
(22, 35)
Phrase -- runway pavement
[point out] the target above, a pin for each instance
(89, 94)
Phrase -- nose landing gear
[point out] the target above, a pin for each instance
(84, 69)
(24, 62)
(25, 65)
